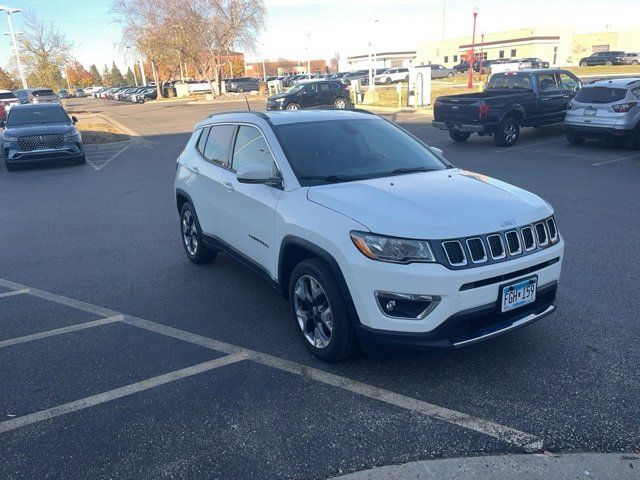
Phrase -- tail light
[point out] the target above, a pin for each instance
(623, 107)
(483, 111)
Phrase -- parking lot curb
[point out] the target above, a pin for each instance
(117, 125)
(593, 466)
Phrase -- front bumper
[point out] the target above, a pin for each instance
(276, 106)
(466, 128)
(13, 155)
(459, 292)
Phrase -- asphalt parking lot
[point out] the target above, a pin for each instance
(122, 359)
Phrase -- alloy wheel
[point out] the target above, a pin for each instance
(189, 233)
(510, 133)
(293, 106)
(313, 311)
(340, 104)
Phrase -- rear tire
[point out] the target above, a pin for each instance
(635, 62)
(340, 104)
(387, 80)
(310, 312)
(632, 142)
(608, 63)
(458, 136)
(191, 234)
(583, 64)
(574, 139)
(508, 132)
(240, 89)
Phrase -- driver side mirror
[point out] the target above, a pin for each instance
(437, 150)
(257, 174)
(74, 119)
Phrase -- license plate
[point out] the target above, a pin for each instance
(519, 294)
(590, 112)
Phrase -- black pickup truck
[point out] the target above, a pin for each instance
(521, 98)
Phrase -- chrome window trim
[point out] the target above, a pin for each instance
(485, 258)
(504, 250)
(464, 255)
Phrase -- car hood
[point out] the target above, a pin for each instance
(433, 205)
(275, 97)
(44, 129)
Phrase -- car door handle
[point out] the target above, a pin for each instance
(229, 186)
(193, 170)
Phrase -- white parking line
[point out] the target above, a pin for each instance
(60, 331)
(616, 160)
(130, 389)
(103, 163)
(14, 292)
(507, 434)
(528, 145)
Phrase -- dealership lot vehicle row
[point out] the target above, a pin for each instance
(525, 441)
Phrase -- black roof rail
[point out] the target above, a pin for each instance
(262, 115)
(634, 81)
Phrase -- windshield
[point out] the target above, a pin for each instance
(35, 116)
(509, 82)
(344, 150)
(296, 88)
(43, 93)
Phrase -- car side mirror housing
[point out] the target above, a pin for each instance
(2, 123)
(74, 119)
(257, 174)
(437, 150)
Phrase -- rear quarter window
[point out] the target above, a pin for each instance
(600, 95)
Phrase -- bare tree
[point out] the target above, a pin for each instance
(45, 52)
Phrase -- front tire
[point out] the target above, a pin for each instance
(608, 63)
(293, 106)
(240, 89)
(387, 80)
(191, 232)
(458, 136)
(508, 132)
(340, 104)
(583, 64)
(320, 311)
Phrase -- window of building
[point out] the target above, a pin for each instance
(455, 59)
(513, 53)
(446, 59)
(484, 55)
(501, 54)
(555, 55)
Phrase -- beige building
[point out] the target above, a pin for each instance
(558, 46)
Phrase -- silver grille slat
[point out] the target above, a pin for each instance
(513, 239)
(496, 253)
(472, 245)
(551, 227)
(456, 245)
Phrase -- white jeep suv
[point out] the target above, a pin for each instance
(372, 235)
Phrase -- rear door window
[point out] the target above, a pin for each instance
(216, 149)
(568, 82)
(324, 87)
(600, 95)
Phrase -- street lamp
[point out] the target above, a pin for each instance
(372, 65)
(308, 56)
(480, 70)
(9, 11)
(473, 45)
(264, 71)
(135, 77)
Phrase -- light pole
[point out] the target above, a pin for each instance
(9, 11)
(473, 45)
(372, 66)
(135, 77)
(480, 70)
(308, 56)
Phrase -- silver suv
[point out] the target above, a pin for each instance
(606, 109)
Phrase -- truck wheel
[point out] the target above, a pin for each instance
(387, 80)
(574, 139)
(583, 64)
(508, 132)
(458, 136)
(608, 63)
(635, 62)
(319, 308)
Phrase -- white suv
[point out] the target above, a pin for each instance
(373, 236)
(393, 75)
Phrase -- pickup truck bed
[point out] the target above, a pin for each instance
(511, 100)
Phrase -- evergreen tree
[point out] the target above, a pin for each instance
(96, 79)
(106, 77)
(129, 78)
(115, 76)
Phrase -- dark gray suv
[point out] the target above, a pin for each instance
(603, 58)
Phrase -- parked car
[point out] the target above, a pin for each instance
(242, 84)
(37, 95)
(338, 76)
(79, 93)
(632, 58)
(606, 109)
(534, 62)
(91, 90)
(63, 93)
(312, 94)
(521, 98)
(463, 66)
(40, 133)
(393, 75)
(148, 93)
(603, 58)
(9, 99)
(372, 235)
(440, 71)
(362, 75)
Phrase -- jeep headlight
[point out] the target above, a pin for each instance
(390, 249)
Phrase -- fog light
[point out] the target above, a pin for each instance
(406, 305)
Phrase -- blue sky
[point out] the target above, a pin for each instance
(297, 28)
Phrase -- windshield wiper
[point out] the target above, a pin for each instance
(411, 170)
(330, 178)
